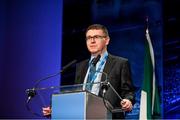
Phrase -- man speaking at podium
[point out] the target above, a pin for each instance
(116, 68)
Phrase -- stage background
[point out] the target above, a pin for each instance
(38, 37)
(126, 22)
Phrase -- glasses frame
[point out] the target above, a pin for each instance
(95, 37)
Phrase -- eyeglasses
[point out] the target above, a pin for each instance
(96, 37)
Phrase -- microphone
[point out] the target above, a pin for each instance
(68, 65)
(53, 75)
(106, 84)
(32, 92)
(104, 87)
(95, 60)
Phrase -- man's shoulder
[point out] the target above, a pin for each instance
(82, 63)
(118, 58)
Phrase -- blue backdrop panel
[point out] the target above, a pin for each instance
(31, 48)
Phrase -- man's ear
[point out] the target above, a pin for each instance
(107, 40)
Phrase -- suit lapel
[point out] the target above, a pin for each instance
(84, 71)
(108, 66)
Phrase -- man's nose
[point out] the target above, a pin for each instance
(93, 40)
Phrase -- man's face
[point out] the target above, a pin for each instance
(96, 41)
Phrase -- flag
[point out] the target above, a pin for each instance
(149, 102)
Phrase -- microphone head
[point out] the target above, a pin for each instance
(31, 92)
(95, 60)
(104, 86)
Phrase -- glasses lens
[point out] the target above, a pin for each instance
(96, 37)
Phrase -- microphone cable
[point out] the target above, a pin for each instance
(30, 110)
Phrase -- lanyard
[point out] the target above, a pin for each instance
(100, 68)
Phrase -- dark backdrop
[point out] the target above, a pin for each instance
(30, 46)
(125, 21)
(171, 58)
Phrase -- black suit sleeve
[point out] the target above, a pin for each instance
(127, 89)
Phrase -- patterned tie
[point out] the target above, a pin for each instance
(90, 80)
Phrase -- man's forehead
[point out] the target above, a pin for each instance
(94, 32)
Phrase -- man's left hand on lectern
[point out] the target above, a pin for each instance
(46, 111)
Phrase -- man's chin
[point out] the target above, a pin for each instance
(95, 52)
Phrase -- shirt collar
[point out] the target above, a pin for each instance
(100, 58)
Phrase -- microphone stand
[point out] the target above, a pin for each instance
(114, 110)
(32, 92)
(104, 86)
(114, 90)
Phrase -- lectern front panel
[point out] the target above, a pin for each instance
(68, 106)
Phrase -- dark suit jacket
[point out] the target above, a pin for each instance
(119, 75)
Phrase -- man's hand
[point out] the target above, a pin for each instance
(126, 105)
(46, 111)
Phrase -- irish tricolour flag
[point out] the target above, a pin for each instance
(149, 102)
